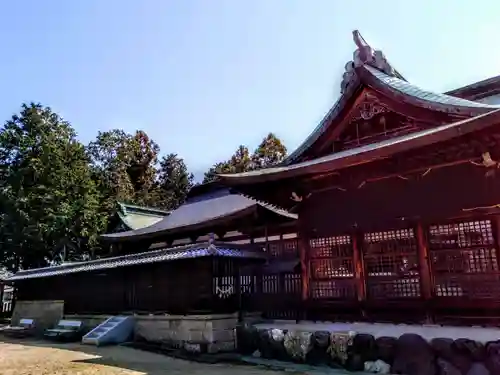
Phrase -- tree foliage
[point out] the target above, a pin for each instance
(57, 196)
(49, 201)
(174, 182)
(124, 166)
(270, 151)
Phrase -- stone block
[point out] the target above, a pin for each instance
(45, 313)
(223, 335)
(414, 356)
(153, 330)
(194, 324)
(218, 347)
(194, 336)
(493, 357)
(192, 348)
(298, 344)
(208, 335)
(386, 348)
(223, 324)
(178, 330)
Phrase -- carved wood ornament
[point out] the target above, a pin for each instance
(364, 54)
(368, 110)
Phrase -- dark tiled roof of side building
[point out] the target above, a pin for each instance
(162, 255)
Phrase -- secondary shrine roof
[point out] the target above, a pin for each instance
(135, 217)
(370, 152)
(478, 90)
(163, 255)
(198, 212)
(370, 68)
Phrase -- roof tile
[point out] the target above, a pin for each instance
(412, 90)
(203, 209)
(162, 255)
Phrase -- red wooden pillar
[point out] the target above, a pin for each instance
(495, 223)
(359, 271)
(424, 268)
(303, 242)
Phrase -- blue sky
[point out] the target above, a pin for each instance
(203, 76)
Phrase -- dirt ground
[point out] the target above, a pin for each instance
(41, 358)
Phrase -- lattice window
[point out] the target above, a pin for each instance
(270, 284)
(291, 248)
(464, 260)
(460, 235)
(391, 264)
(342, 288)
(332, 267)
(247, 284)
(331, 247)
(283, 248)
(292, 283)
(223, 286)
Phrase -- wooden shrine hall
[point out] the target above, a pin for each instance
(217, 253)
(398, 196)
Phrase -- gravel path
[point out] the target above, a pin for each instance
(42, 358)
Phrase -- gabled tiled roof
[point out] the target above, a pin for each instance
(445, 102)
(478, 90)
(371, 69)
(135, 217)
(163, 255)
(198, 212)
(354, 156)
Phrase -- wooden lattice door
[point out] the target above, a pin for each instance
(332, 268)
(464, 261)
(391, 264)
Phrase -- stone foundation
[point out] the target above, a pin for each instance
(45, 314)
(377, 348)
(196, 333)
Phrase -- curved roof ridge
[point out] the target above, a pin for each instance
(407, 88)
(363, 55)
(382, 149)
(144, 209)
(366, 58)
(459, 91)
(196, 214)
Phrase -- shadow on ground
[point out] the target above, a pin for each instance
(119, 359)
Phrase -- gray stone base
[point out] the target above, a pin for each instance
(210, 333)
(45, 313)
(377, 348)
